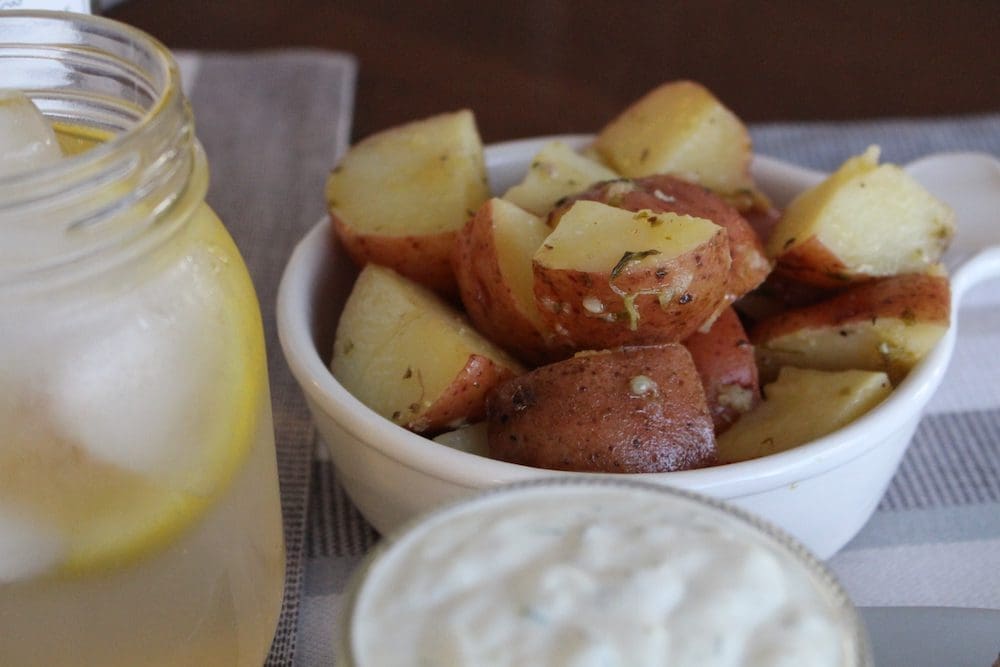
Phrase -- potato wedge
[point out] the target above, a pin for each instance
(406, 354)
(680, 128)
(865, 220)
(800, 406)
(726, 365)
(662, 193)
(555, 172)
(607, 277)
(492, 264)
(639, 409)
(884, 325)
(471, 439)
(399, 197)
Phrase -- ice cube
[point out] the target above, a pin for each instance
(26, 140)
(129, 394)
(27, 548)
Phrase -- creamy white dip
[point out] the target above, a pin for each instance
(589, 575)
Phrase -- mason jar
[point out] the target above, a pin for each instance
(140, 521)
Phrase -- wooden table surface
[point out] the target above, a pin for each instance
(546, 66)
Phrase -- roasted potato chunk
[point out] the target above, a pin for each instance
(555, 172)
(639, 409)
(864, 221)
(680, 128)
(406, 354)
(726, 365)
(884, 325)
(492, 264)
(800, 406)
(664, 193)
(399, 197)
(607, 277)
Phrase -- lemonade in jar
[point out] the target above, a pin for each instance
(140, 521)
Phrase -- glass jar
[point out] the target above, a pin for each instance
(587, 570)
(140, 520)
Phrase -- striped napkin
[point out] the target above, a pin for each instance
(274, 122)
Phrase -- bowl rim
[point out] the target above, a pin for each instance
(295, 325)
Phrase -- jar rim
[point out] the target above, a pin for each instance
(99, 25)
(98, 74)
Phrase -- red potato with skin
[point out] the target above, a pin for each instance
(635, 409)
(884, 325)
(399, 197)
(664, 193)
(421, 258)
(463, 400)
(727, 367)
(491, 261)
(408, 355)
(864, 221)
(607, 277)
(777, 294)
(679, 128)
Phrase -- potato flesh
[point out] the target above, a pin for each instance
(420, 178)
(471, 439)
(679, 128)
(518, 235)
(398, 347)
(802, 405)
(594, 237)
(889, 344)
(556, 171)
(887, 325)
(874, 219)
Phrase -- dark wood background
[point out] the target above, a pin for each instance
(547, 66)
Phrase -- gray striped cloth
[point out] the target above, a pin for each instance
(273, 124)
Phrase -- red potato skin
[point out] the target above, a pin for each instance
(583, 414)
(777, 294)
(561, 293)
(665, 193)
(464, 400)
(725, 362)
(812, 263)
(763, 219)
(425, 259)
(910, 296)
(487, 299)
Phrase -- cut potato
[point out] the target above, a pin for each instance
(662, 193)
(885, 325)
(607, 277)
(555, 172)
(865, 220)
(636, 409)
(471, 439)
(680, 128)
(492, 264)
(777, 294)
(725, 361)
(399, 197)
(406, 354)
(800, 406)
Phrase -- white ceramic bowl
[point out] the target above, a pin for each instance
(821, 492)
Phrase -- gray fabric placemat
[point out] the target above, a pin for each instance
(272, 125)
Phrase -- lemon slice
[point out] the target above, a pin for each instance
(79, 460)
